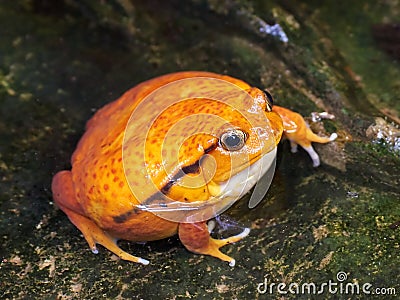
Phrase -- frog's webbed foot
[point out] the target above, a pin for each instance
(313, 154)
(95, 235)
(333, 136)
(64, 196)
(312, 137)
(196, 238)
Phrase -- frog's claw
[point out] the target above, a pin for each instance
(93, 234)
(196, 238)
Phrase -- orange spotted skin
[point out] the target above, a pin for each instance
(95, 194)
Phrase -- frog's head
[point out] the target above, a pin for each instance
(193, 147)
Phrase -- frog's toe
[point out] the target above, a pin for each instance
(126, 256)
(211, 225)
(95, 235)
(110, 243)
(214, 246)
(314, 155)
(333, 136)
(196, 238)
(143, 261)
(234, 239)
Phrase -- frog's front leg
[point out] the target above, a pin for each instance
(298, 132)
(306, 144)
(64, 196)
(196, 238)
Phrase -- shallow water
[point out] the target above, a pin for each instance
(61, 62)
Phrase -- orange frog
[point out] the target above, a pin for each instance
(169, 155)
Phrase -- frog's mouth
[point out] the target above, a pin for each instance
(223, 194)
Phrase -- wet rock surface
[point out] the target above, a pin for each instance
(61, 62)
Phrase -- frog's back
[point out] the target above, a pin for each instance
(106, 127)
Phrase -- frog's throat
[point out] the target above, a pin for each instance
(240, 183)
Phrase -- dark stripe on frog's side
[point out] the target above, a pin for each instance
(161, 195)
(125, 216)
(190, 169)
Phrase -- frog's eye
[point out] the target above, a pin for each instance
(233, 140)
(270, 101)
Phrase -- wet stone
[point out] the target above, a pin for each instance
(63, 60)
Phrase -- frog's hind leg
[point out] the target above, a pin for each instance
(312, 137)
(313, 154)
(196, 238)
(93, 234)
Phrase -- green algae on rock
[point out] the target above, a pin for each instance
(62, 62)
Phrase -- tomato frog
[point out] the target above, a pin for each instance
(119, 174)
